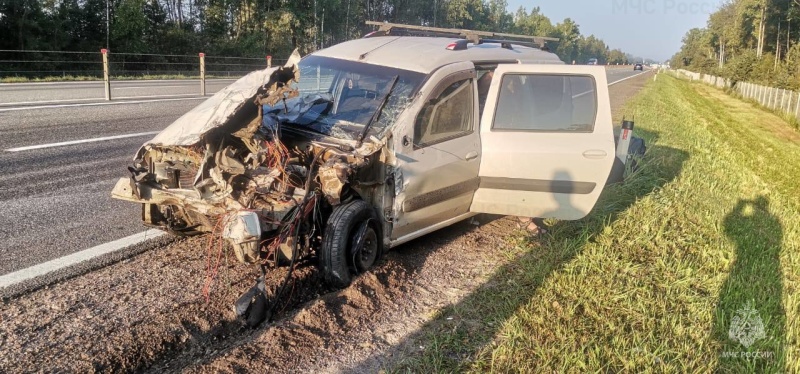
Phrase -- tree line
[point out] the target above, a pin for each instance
(747, 40)
(254, 28)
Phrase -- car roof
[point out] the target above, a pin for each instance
(426, 54)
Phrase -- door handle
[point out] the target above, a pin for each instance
(471, 156)
(595, 154)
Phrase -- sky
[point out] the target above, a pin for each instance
(644, 28)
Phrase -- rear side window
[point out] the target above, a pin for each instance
(548, 103)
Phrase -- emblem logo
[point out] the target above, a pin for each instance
(746, 326)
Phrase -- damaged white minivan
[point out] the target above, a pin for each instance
(371, 143)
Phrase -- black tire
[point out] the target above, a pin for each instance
(336, 256)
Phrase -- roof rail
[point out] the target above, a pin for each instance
(473, 36)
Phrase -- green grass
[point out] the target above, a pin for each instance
(652, 279)
(66, 78)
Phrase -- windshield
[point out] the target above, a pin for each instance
(339, 98)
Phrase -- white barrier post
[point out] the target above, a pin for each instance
(771, 95)
(105, 73)
(202, 74)
(269, 62)
(758, 94)
(784, 106)
(797, 107)
(785, 101)
(766, 96)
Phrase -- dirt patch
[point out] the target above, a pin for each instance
(149, 313)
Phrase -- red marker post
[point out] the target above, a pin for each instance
(269, 61)
(104, 52)
(202, 74)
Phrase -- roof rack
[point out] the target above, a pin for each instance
(473, 36)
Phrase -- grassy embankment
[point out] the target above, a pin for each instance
(654, 277)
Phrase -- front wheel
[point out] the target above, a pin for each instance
(352, 242)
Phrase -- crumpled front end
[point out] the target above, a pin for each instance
(227, 167)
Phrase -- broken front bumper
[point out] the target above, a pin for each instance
(129, 190)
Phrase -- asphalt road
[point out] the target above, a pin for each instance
(55, 200)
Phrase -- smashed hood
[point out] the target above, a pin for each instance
(214, 112)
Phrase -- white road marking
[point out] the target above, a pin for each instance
(100, 82)
(96, 98)
(72, 142)
(153, 97)
(610, 84)
(103, 103)
(624, 79)
(49, 101)
(76, 258)
(154, 86)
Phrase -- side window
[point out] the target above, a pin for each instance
(549, 103)
(446, 117)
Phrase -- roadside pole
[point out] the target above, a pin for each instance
(269, 62)
(767, 95)
(788, 101)
(771, 95)
(105, 73)
(797, 107)
(202, 74)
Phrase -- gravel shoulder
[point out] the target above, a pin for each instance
(150, 312)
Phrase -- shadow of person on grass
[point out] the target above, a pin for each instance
(749, 321)
(454, 344)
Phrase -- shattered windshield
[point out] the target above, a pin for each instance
(339, 98)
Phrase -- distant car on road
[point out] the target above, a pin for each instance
(592, 61)
(638, 67)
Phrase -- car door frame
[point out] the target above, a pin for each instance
(547, 174)
(445, 203)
